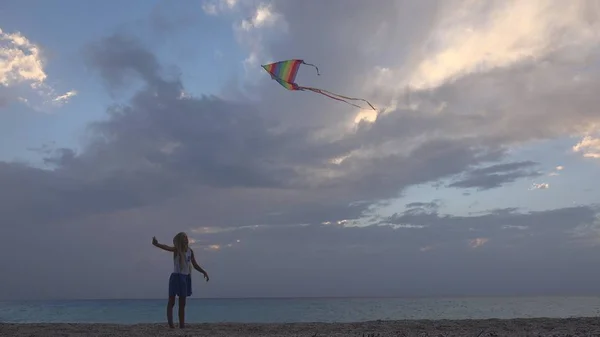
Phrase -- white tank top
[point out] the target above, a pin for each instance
(184, 268)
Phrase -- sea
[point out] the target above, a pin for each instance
(288, 310)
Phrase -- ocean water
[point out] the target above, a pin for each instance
(296, 310)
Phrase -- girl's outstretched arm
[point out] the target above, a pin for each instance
(197, 267)
(161, 246)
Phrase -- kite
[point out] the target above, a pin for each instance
(284, 72)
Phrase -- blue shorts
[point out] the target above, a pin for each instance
(180, 285)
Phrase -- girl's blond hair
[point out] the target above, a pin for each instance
(181, 247)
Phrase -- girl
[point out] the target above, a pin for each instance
(180, 281)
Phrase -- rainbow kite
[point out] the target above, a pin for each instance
(285, 72)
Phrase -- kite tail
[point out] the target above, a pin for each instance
(312, 65)
(338, 97)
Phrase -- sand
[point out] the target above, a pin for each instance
(434, 328)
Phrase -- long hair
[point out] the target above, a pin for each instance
(181, 247)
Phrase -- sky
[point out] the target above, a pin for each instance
(474, 177)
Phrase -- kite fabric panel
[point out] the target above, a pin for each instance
(284, 72)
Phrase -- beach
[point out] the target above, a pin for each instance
(481, 327)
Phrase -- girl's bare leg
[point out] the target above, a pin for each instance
(182, 312)
(170, 306)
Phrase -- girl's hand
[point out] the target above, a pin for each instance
(154, 241)
(206, 276)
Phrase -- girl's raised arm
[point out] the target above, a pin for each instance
(161, 246)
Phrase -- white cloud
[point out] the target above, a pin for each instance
(515, 227)
(468, 37)
(408, 226)
(230, 3)
(478, 242)
(209, 8)
(22, 74)
(217, 6)
(252, 31)
(263, 17)
(540, 186)
(368, 116)
(589, 147)
(62, 99)
(556, 171)
(222, 229)
(20, 61)
(471, 37)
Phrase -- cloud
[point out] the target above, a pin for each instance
(589, 147)
(473, 37)
(21, 61)
(289, 184)
(214, 7)
(505, 106)
(540, 186)
(209, 8)
(260, 23)
(214, 143)
(495, 175)
(446, 248)
(432, 205)
(435, 259)
(62, 99)
(556, 170)
(121, 58)
(263, 17)
(508, 227)
(478, 242)
(22, 74)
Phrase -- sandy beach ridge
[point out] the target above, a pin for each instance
(555, 327)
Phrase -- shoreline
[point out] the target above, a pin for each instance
(341, 297)
(579, 326)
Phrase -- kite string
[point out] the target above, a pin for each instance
(312, 65)
(350, 98)
(338, 97)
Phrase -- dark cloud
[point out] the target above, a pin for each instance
(120, 58)
(541, 252)
(432, 205)
(496, 175)
(163, 143)
(545, 225)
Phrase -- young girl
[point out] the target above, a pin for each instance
(180, 281)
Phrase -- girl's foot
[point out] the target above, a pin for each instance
(171, 325)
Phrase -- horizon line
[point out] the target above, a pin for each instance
(439, 297)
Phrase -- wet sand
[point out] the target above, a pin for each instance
(438, 328)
